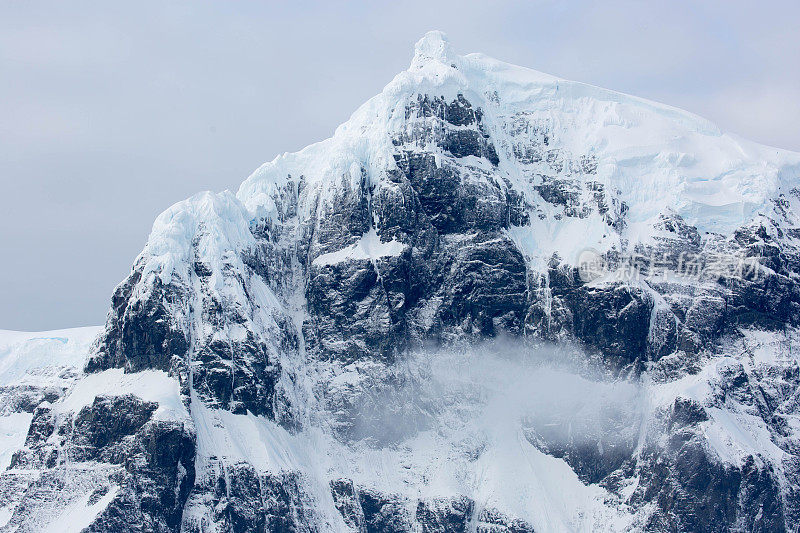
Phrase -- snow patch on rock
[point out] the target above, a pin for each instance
(369, 246)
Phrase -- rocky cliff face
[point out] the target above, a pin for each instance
(493, 301)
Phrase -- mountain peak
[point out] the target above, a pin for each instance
(434, 254)
(434, 46)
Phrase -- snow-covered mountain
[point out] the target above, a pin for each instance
(493, 301)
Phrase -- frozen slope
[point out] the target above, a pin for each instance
(26, 354)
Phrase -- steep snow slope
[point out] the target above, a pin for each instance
(389, 331)
(26, 354)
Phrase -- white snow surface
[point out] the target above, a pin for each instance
(33, 356)
(369, 246)
(80, 513)
(219, 223)
(149, 385)
(13, 431)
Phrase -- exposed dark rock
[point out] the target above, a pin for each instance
(445, 515)
(384, 513)
(142, 333)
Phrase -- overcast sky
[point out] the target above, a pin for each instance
(109, 113)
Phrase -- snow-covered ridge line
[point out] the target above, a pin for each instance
(22, 352)
(656, 155)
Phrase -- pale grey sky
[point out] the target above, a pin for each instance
(110, 112)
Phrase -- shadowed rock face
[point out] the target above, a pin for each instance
(347, 276)
(113, 449)
(695, 493)
(146, 333)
